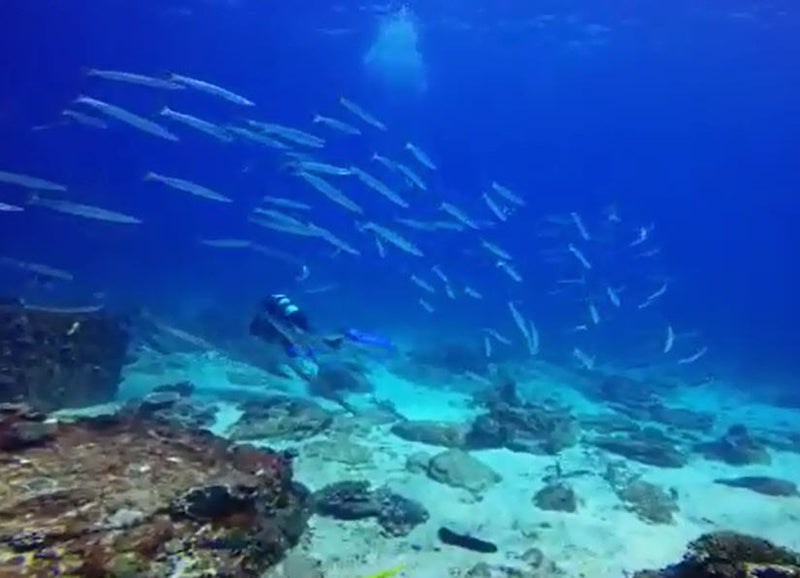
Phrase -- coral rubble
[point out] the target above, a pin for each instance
(128, 495)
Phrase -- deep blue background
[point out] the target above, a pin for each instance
(686, 115)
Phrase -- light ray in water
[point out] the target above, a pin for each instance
(394, 57)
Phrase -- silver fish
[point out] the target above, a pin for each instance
(459, 215)
(211, 89)
(422, 284)
(133, 78)
(420, 156)
(38, 268)
(84, 119)
(6, 208)
(470, 292)
(323, 168)
(187, 187)
(378, 186)
(331, 192)
(392, 237)
(204, 126)
(287, 203)
(412, 177)
(33, 183)
(335, 124)
(86, 211)
(361, 113)
(225, 243)
(507, 194)
(288, 133)
(257, 137)
(122, 115)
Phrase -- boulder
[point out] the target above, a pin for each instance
(649, 502)
(459, 469)
(436, 433)
(418, 463)
(762, 485)
(737, 447)
(556, 496)
(524, 428)
(645, 447)
(354, 500)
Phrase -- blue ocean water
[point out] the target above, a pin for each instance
(653, 146)
(683, 116)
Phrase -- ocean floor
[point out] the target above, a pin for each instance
(603, 538)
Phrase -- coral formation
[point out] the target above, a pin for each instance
(731, 555)
(128, 495)
(51, 359)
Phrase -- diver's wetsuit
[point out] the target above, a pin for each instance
(280, 308)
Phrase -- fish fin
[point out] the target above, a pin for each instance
(317, 118)
(149, 176)
(164, 111)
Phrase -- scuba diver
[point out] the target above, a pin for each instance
(280, 322)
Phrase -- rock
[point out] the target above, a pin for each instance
(736, 447)
(762, 485)
(459, 469)
(237, 509)
(280, 418)
(158, 400)
(339, 449)
(681, 418)
(608, 424)
(731, 555)
(556, 497)
(643, 447)
(525, 428)
(398, 515)
(437, 433)
(347, 500)
(182, 388)
(418, 463)
(353, 500)
(22, 428)
(333, 379)
(54, 359)
(648, 501)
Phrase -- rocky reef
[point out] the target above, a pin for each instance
(523, 427)
(129, 495)
(731, 555)
(51, 358)
(354, 500)
(280, 417)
